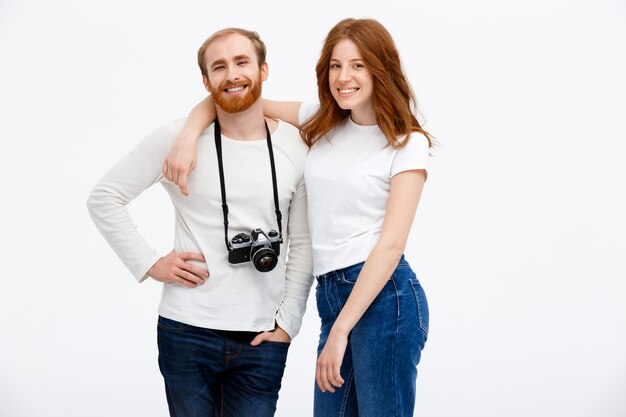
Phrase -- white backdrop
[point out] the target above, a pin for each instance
(517, 240)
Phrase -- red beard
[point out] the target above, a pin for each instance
(237, 104)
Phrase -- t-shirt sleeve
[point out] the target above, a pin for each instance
(307, 110)
(127, 179)
(414, 155)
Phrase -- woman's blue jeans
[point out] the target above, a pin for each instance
(209, 375)
(384, 348)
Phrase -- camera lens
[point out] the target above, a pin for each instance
(264, 259)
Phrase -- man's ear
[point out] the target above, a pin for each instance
(205, 81)
(264, 71)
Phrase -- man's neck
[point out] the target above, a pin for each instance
(245, 125)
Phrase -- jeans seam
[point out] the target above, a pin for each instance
(395, 288)
(169, 329)
(221, 400)
(181, 329)
(344, 402)
(236, 355)
(339, 304)
(420, 317)
(337, 297)
(393, 357)
(326, 294)
(342, 279)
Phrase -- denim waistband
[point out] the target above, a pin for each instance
(350, 268)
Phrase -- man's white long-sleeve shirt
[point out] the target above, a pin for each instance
(236, 296)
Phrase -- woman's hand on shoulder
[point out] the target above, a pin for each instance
(182, 157)
(180, 161)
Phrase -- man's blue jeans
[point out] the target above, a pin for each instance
(384, 348)
(209, 375)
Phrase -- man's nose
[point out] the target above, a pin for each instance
(233, 73)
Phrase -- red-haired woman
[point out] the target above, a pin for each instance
(364, 176)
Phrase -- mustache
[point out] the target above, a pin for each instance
(230, 84)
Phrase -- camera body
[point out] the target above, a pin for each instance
(258, 247)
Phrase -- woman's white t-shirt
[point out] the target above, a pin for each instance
(348, 177)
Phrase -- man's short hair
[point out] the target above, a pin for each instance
(253, 36)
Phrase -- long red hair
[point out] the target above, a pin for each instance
(392, 98)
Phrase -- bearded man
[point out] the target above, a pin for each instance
(222, 339)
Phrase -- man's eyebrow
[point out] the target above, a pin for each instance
(222, 61)
(218, 62)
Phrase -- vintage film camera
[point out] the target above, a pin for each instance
(258, 247)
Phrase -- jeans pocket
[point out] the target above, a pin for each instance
(350, 274)
(422, 305)
(172, 325)
(348, 279)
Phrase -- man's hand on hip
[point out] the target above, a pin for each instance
(174, 268)
(276, 335)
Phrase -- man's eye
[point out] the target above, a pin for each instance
(240, 63)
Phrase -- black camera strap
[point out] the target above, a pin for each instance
(220, 163)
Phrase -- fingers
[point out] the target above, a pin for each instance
(177, 175)
(190, 277)
(322, 380)
(193, 269)
(260, 338)
(189, 271)
(182, 183)
(327, 380)
(337, 376)
(183, 277)
(334, 376)
(186, 273)
(320, 377)
(183, 281)
(279, 335)
(191, 256)
(167, 172)
(328, 376)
